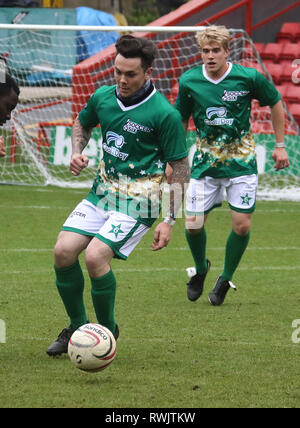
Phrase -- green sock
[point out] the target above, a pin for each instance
(235, 248)
(197, 244)
(70, 285)
(103, 295)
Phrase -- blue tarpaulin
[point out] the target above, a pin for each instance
(90, 43)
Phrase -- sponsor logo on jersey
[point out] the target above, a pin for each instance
(118, 141)
(221, 113)
(133, 127)
(233, 95)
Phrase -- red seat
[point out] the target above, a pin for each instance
(250, 63)
(288, 73)
(290, 51)
(295, 111)
(282, 89)
(292, 94)
(260, 113)
(272, 51)
(249, 51)
(259, 47)
(275, 70)
(269, 61)
(262, 127)
(289, 32)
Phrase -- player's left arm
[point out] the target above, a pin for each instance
(279, 155)
(169, 169)
(180, 177)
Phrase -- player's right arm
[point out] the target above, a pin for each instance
(80, 139)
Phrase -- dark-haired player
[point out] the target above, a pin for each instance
(141, 133)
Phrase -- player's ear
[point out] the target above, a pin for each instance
(148, 73)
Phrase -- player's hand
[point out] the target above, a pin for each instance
(2, 147)
(162, 236)
(78, 163)
(280, 158)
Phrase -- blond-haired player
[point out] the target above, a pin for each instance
(218, 96)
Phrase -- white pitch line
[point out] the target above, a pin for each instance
(39, 250)
(162, 269)
(165, 269)
(36, 207)
(26, 250)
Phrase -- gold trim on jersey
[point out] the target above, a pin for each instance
(144, 187)
(238, 149)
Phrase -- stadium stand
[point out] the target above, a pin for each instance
(275, 71)
(278, 59)
(272, 51)
(290, 51)
(289, 32)
(292, 94)
(259, 47)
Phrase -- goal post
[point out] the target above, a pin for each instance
(55, 86)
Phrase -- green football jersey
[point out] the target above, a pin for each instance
(137, 143)
(221, 113)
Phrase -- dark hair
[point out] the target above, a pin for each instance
(137, 47)
(8, 85)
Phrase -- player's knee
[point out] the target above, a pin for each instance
(242, 229)
(96, 262)
(93, 262)
(194, 224)
(90, 260)
(63, 255)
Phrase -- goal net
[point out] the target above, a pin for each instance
(56, 83)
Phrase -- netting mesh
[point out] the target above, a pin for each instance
(55, 86)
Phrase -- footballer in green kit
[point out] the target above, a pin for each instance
(218, 96)
(141, 133)
(137, 143)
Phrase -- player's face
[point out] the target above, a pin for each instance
(215, 59)
(7, 104)
(130, 75)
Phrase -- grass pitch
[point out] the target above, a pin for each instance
(171, 353)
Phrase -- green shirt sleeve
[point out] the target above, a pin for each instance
(88, 116)
(264, 91)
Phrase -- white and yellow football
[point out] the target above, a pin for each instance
(92, 347)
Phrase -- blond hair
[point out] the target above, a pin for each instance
(214, 34)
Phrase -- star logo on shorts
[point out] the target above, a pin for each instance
(246, 199)
(116, 230)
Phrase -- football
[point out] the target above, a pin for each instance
(92, 347)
